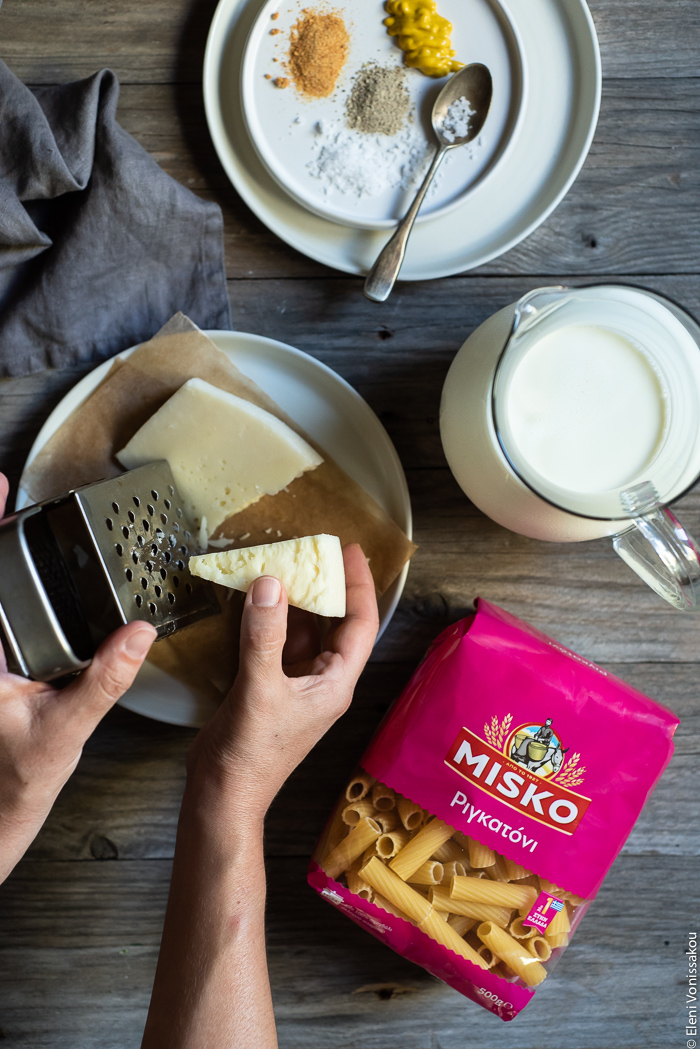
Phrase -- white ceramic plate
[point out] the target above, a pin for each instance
(283, 123)
(333, 413)
(561, 54)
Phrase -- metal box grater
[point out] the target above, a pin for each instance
(74, 568)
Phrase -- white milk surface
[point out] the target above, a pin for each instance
(585, 409)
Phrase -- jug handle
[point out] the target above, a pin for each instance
(658, 548)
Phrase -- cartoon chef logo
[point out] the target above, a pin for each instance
(538, 748)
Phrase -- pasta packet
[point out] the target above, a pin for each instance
(490, 805)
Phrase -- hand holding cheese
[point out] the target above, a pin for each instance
(225, 452)
(310, 568)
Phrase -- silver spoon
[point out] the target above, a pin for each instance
(474, 83)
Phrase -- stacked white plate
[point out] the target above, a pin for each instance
(545, 63)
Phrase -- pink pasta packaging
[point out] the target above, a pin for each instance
(490, 805)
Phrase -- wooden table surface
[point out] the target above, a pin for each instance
(80, 919)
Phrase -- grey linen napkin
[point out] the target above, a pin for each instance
(98, 246)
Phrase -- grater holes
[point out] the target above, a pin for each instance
(150, 565)
(171, 598)
(188, 588)
(131, 515)
(129, 574)
(178, 512)
(120, 549)
(167, 504)
(137, 502)
(140, 541)
(154, 493)
(183, 550)
(138, 599)
(154, 549)
(109, 522)
(172, 541)
(146, 525)
(152, 607)
(164, 518)
(187, 534)
(115, 507)
(167, 557)
(163, 574)
(158, 590)
(144, 582)
(151, 509)
(135, 557)
(176, 526)
(176, 580)
(171, 489)
(125, 532)
(181, 565)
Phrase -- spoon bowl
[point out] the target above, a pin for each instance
(473, 86)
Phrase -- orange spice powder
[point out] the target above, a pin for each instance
(317, 53)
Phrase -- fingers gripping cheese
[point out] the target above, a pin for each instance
(311, 569)
(225, 453)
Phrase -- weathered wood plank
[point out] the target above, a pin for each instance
(591, 602)
(84, 939)
(123, 801)
(396, 356)
(164, 42)
(633, 209)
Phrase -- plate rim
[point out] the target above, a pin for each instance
(385, 224)
(78, 393)
(238, 175)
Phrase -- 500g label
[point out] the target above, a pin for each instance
(492, 997)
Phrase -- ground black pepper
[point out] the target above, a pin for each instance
(379, 100)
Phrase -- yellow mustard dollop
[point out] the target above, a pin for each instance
(423, 35)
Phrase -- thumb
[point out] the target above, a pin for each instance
(263, 630)
(111, 673)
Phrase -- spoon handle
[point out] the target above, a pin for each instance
(382, 277)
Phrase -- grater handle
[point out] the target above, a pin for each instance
(35, 643)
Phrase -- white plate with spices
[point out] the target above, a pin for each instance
(347, 174)
(333, 413)
(560, 49)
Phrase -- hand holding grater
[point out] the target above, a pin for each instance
(74, 568)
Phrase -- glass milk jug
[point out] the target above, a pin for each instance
(575, 414)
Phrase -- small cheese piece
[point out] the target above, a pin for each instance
(311, 569)
(225, 453)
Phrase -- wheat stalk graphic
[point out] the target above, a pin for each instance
(570, 774)
(497, 732)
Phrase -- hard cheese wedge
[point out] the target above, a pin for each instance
(225, 453)
(311, 569)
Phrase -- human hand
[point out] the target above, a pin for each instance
(289, 690)
(43, 729)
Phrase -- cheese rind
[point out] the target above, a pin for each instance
(225, 453)
(311, 569)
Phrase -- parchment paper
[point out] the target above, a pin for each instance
(323, 500)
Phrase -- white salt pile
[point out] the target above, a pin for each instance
(456, 122)
(365, 165)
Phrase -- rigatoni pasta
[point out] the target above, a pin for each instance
(359, 837)
(421, 847)
(489, 806)
(501, 894)
(512, 953)
(429, 873)
(359, 786)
